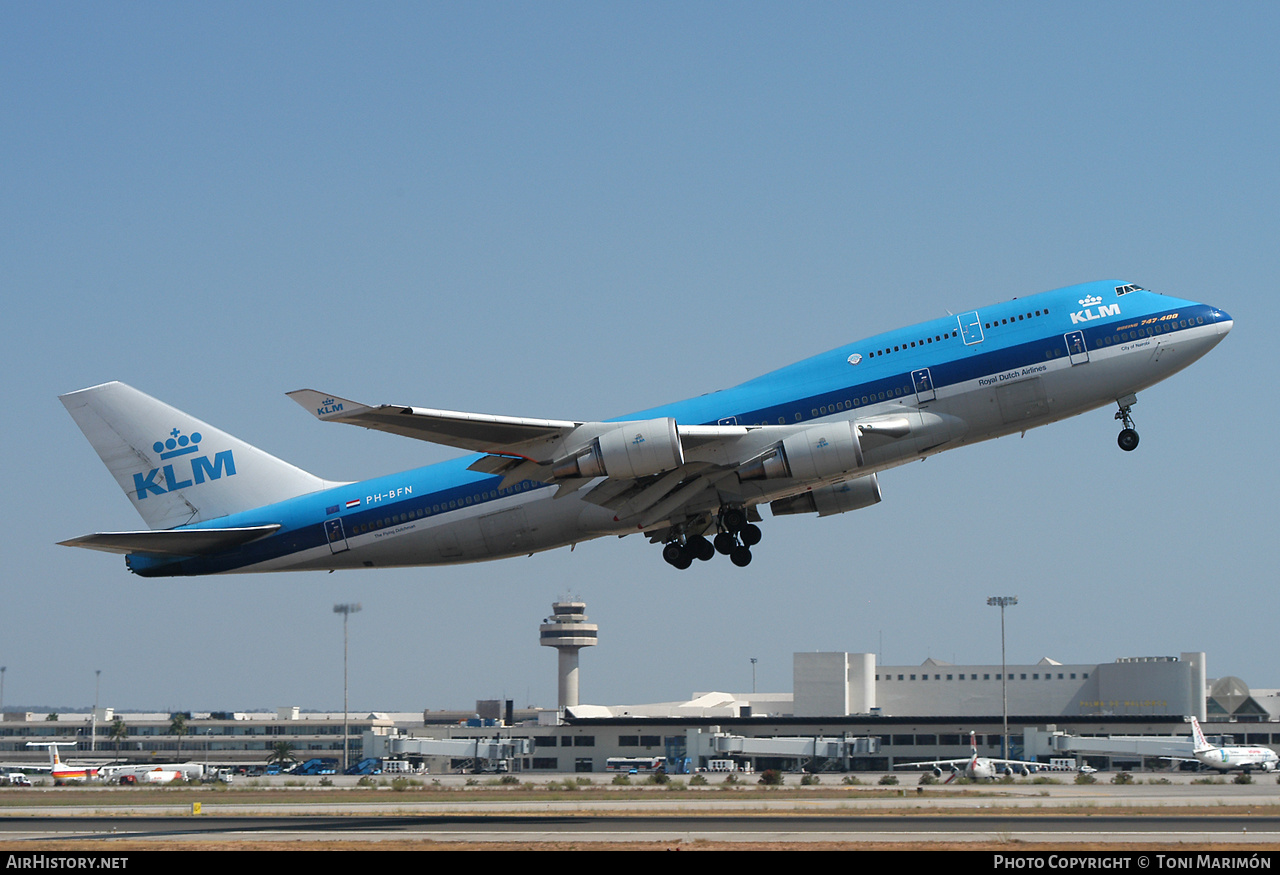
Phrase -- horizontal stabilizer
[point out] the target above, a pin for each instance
(172, 542)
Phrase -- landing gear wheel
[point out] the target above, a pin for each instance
(677, 556)
(1128, 439)
(725, 543)
(700, 548)
(750, 535)
(733, 519)
(741, 557)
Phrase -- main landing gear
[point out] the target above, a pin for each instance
(1128, 439)
(736, 538)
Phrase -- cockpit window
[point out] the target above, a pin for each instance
(1124, 290)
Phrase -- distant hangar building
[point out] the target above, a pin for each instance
(838, 684)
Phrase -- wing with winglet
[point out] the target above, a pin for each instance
(649, 472)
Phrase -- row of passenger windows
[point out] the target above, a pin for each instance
(1163, 327)
(887, 395)
(1018, 318)
(396, 519)
(848, 404)
(937, 338)
(1035, 676)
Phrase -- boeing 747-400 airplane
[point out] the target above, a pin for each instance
(809, 438)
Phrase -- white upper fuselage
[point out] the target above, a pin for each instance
(910, 393)
(1229, 759)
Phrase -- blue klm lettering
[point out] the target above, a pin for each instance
(201, 469)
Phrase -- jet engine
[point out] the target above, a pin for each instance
(633, 449)
(849, 495)
(817, 453)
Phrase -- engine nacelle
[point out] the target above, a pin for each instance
(850, 495)
(633, 449)
(817, 453)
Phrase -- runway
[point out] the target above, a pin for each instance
(916, 829)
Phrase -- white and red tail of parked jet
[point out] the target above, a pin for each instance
(1230, 758)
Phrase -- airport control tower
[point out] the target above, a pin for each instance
(568, 631)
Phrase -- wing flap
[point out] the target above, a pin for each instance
(171, 542)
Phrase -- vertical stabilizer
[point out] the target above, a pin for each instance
(1197, 735)
(176, 469)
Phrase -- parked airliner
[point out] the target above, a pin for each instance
(58, 770)
(975, 767)
(151, 773)
(1229, 758)
(808, 438)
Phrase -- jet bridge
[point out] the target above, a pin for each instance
(703, 745)
(1038, 742)
(492, 750)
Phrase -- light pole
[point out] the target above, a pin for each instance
(1002, 602)
(346, 611)
(93, 723)
(753, 674)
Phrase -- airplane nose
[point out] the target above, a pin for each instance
(1223, 320)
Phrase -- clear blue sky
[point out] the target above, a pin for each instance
(575, 210)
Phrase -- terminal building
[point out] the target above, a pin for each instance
(845, 712)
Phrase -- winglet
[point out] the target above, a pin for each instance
(324, 406)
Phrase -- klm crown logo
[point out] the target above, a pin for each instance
(178, 444)
(197, 470)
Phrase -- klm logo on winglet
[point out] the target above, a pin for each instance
(200, 468)
(1088, 315)
(329, 406)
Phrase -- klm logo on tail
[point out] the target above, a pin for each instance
(198, 468)
(1088, 315)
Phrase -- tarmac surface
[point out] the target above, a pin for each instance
(479, 811)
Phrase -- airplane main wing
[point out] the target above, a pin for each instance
(935, 764)
(1028, 764)
(485, 433)
(550, 449)
(652, 472)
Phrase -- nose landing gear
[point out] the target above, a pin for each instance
(1128, 439)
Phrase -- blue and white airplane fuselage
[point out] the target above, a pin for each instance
(808, 438)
